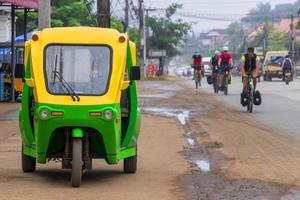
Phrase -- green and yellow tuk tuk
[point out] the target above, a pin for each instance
(79, 99)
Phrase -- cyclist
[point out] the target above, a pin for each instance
(214, 66)
(214, 62)
(249, 66)
(197, 64)
(225, 60)
(287, 65)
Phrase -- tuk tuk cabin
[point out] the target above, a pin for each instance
(80, 84)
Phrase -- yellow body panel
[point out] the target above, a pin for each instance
(79, 35)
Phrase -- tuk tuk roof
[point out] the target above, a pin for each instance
(80, 35)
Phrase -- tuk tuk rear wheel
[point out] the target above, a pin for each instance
(130, 165)
(28, 163)
(76, 162)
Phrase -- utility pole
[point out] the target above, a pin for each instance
(266, 37)
(142, 39)
(292, 38)
(126, 15)
(103, 13)
(44, 14)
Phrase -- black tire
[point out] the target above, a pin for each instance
(77, 162)
(28, 163)
(250, 103)
(226, 90)
(130, 165)
(226, 87)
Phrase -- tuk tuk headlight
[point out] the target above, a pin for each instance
(44, 113)
(108, 114)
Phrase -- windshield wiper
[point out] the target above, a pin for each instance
(67, 86)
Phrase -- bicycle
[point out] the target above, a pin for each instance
(226, 83)
(197, 76)
(250, 93)
(215, 80)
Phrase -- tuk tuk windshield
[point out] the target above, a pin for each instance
(86, 69)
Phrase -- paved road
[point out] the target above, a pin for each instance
(280, 108)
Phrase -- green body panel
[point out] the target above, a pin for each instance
(135, 114)
(77, 133)
(48, 137)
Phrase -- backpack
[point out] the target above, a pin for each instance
(287, 64)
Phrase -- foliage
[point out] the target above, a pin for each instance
(236, 35)
(168, 33)
(258, 15)
(276, 40)
(264, 12)
(67, 13)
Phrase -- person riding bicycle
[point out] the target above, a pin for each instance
(287, 65)
(214, 62)
(249, 66)
(197, 63)
(225, 61)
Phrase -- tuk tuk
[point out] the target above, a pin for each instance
(79, 100)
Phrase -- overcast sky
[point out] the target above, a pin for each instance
(230, 8)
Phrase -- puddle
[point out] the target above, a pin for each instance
(163, 87)
(165, 95)
(293, 194)
(203, 165)
(183, 117)
(181, 114)
(191, 141)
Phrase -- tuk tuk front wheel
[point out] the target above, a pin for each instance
(130, 165)
(76, 162)
(28, 163)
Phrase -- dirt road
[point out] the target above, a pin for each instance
(190, 148)
(160, 167)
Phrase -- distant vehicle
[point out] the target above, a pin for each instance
(189, 72)
(207, 69)
(272, 66)
(298, 70)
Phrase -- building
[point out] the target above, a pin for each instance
(284, 26)
(5, 26)
(214, 38)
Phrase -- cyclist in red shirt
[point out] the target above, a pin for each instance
(225, 60)
(197, 63)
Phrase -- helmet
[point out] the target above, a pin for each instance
(217, 52)
(197, 53)
(225, 48)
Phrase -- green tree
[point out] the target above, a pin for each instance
(168, 33)
(258, 15)
(236, 35)
(67, 13)
(276, 40)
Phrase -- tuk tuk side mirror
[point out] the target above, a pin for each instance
(135, 73)
(19, 71)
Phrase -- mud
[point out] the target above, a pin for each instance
(210, 175)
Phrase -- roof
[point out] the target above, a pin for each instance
(33, 4)
(284, 25)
